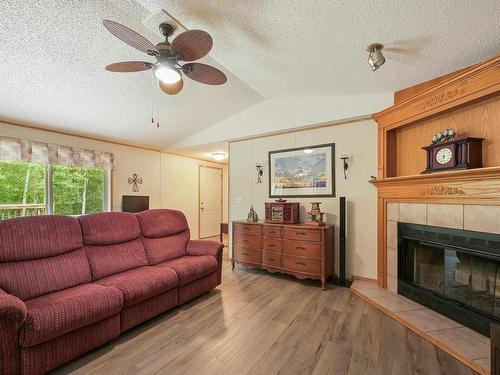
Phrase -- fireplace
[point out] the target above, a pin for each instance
(454, 272)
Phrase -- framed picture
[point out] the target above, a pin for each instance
(302, 172)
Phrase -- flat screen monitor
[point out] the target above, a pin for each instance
(135, 203)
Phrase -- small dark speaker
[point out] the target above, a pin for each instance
(342, 240)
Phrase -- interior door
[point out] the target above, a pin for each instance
(210, 201)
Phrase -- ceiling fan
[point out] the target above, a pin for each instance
(190, 45)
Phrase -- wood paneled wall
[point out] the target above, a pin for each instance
(478, 120)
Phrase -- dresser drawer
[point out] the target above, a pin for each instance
(248, 228)
(271, 259)
(311, 266)
(247, 241)
(271, 231)
(250, 256)
(303, 249)
(272, 244)
(302, 234)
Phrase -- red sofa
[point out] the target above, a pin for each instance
(69, 285)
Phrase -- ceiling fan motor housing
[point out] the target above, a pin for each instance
(166, 29)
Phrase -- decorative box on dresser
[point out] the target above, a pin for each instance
(303, 251)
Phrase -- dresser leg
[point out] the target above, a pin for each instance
(232, 263)
(323, 282)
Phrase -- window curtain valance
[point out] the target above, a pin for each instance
(14, 149)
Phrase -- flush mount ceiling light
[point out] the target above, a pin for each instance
(218, 156)
(375, 58)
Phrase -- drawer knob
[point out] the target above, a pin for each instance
(245, 240)
(271, 245)
(300, 248)
(300, 233)
(300, 263)
(272, 259)
(245, 254)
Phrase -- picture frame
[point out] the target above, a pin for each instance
(302, 172)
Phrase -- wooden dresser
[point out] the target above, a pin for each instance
(303, 251)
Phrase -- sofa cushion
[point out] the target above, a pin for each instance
(166, 248)
(35, 237)
(55, 314)
(111, 259)
(109, 228)
(162, 223)
(142, 283)
(190, 268)
(33, 278)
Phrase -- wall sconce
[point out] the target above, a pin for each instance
(344, 159)
(260, 172)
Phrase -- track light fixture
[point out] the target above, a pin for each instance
(376, 59)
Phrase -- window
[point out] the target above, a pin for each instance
(36, 189)
(22, 189)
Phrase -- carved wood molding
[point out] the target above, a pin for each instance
(476, 83)
(442, 190)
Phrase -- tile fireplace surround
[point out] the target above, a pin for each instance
(465, 344)
(480, 218)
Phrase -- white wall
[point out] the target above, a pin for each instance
(279, 114)
(170, 181)
(180, 184)
(359, 141)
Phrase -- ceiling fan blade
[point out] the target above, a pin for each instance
(172, 88)
(129, 66)
(130, 37)
(204, 73)
(192, 44)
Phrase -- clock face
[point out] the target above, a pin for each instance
(444, 155)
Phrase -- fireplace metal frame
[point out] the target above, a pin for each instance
(475, 243)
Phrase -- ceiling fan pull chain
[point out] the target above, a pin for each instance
(152, 98)
(158, 106)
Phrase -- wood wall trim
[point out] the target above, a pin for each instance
(409, 92)
(79, 135)
(480, 82)
(459, 90)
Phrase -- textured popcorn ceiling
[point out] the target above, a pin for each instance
(53, 55)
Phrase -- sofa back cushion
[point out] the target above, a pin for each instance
(112, 243)
(34, 237)
(34, 278)
(165, 234)
(41, 255)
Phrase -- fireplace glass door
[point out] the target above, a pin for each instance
(454, 272)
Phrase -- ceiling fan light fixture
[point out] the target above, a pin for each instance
(375, 59)
(218, 156)
(167, 74)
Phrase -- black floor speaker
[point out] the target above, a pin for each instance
(341, 280)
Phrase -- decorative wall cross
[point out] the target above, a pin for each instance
(135, 179)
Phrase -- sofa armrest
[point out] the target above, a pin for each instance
(12, 316)
(12, 310)
(206, 247)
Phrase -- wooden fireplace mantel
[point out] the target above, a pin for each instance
(467, 101)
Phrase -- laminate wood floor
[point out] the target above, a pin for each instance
(259, 323)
